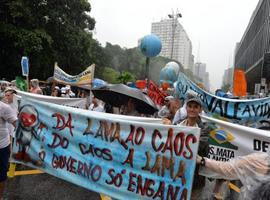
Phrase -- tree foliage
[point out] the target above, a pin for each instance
(47, 31)
(110, 75)
(133, 61)
(126, 77)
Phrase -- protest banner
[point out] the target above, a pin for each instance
(71, 102)
(236, 110)
(228, 141)
(155, 94)
(84, 78)
(121, 158)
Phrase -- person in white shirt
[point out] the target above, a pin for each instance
(95, 106)
(8, 99)
(164, 112)
(6, 116)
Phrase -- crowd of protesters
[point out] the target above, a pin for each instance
(174, 112)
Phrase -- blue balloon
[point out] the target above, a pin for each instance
(168, 74)
(150, 45)
(98, 82)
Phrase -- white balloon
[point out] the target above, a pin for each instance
(174, 66)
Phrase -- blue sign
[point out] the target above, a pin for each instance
(237, 110)
(109, 154)
(25, 66)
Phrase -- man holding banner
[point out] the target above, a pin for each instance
(6, 116)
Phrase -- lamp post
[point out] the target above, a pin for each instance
(174, 18)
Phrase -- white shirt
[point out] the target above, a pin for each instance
(180, 114)
(6, 116)
(185, 123)
(98, 108)
(11, 128)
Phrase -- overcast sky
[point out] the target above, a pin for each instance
(214, 25)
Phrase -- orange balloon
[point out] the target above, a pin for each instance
(165, 86)
(141, 84)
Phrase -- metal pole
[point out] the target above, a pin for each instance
(147, 63)
(173, 32)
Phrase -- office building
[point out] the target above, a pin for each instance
(175, 41)
(201, 76)
(228, 76)
(252, 52)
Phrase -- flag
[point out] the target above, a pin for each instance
(21, 84)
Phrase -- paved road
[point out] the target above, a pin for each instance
(45, 187)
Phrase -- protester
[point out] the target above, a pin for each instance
(69, 92)
(194, 108)
(96, 106)
(56, 92)
(2, 89)
(164, 111)
(253, 170)
(130, 108)
(6, 116)
(181, 113)
(64, 92)
(8, 99)
(34, 87)
(173, 106)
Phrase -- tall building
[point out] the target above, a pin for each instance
(201, 76)
(252, 52)
(175, 41)
(228, 76)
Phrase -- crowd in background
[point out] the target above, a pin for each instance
(174, 112)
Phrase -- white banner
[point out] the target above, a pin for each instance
(71, 102)
(83, 78)
(228, 141)
(117, 157)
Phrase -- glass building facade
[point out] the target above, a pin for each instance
(252, 52)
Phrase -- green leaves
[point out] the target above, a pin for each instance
(48, 31)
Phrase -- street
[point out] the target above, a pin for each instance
(45, 186)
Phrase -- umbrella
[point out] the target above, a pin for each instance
(118, 94)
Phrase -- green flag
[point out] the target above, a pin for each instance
(21, 84)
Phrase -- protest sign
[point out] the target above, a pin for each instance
(25, 66)
(238, 110)
(155, 94)
(228, 141)
(72, 102)
(83, 78)
(121, 158)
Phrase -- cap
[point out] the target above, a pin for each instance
(168, 98)
(194, 100)
(11, 90)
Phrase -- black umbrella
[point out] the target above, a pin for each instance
(118, 95)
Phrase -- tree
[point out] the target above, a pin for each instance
(125, 77)
(47, 31)
(110, 75)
